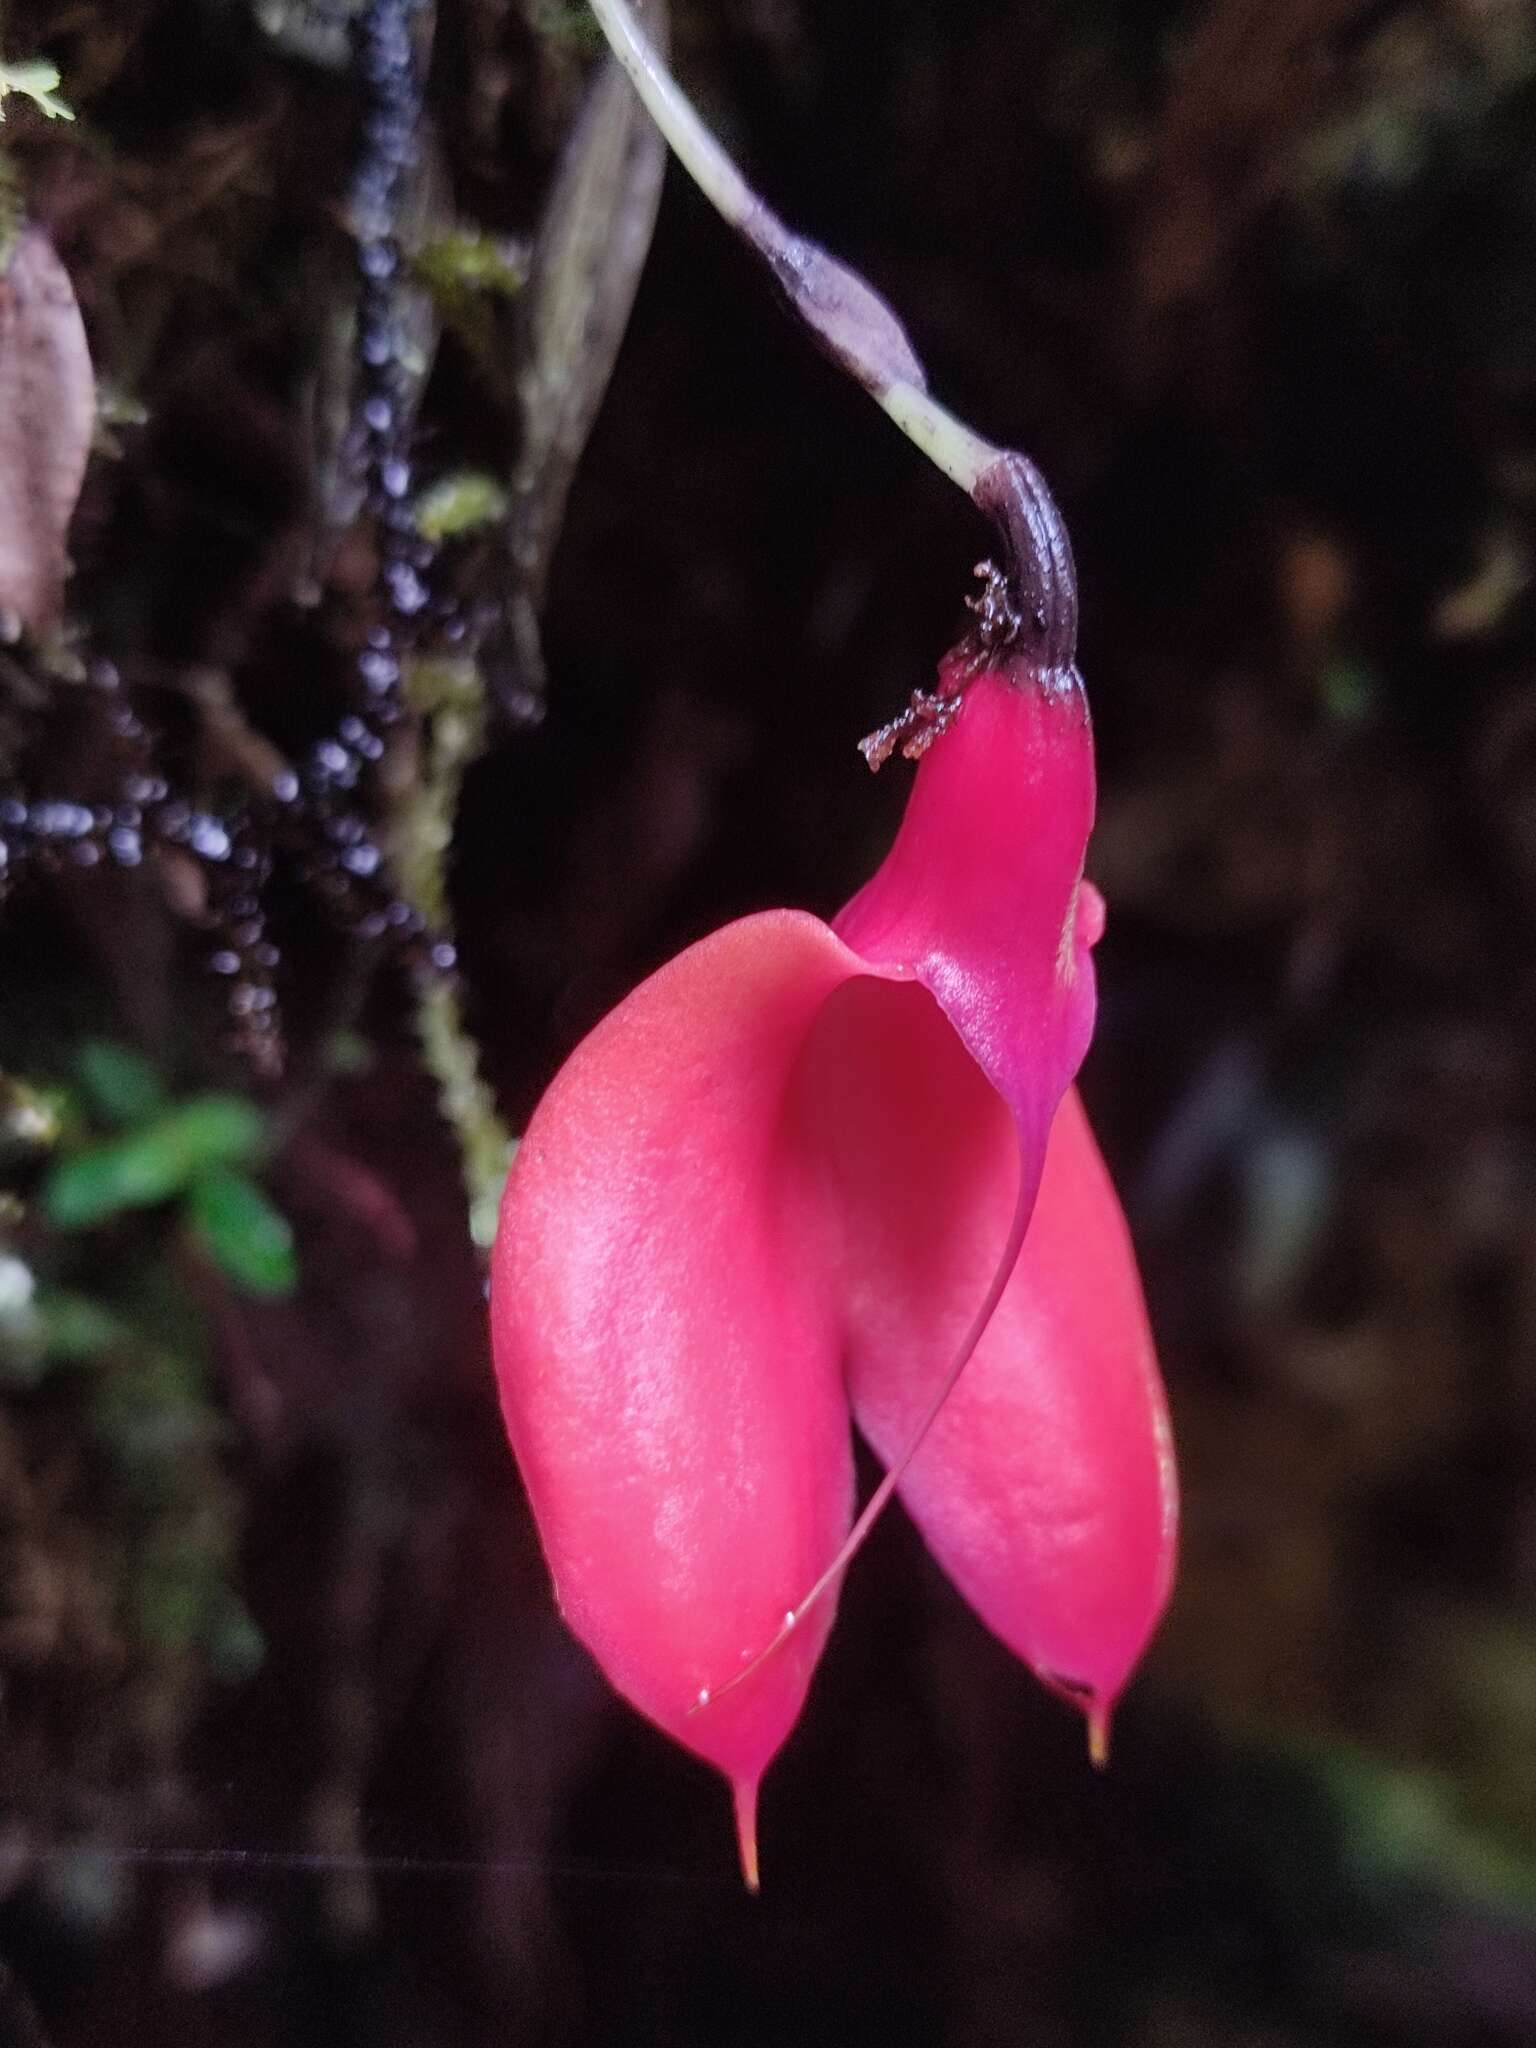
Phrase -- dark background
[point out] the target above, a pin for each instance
(1255, 285)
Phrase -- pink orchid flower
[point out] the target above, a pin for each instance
(808, 1172)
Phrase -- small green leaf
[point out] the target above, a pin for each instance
(469, 277)
(74, 1329)
(247, 1238)
(38, 82)
(150, 1165)
(120, 1085)
(103, 1180)
(217, 1130)
(458, 504)
(463, 261)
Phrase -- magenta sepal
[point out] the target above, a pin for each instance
(790, 1176)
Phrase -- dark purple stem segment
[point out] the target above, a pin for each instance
(1041, 576)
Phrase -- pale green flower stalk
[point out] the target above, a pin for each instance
(850, 320)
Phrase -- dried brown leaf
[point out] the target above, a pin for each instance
(590, 250)
(47, 415)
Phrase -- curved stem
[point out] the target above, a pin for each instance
(849, 318)
(669, 107)
(948, 443)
